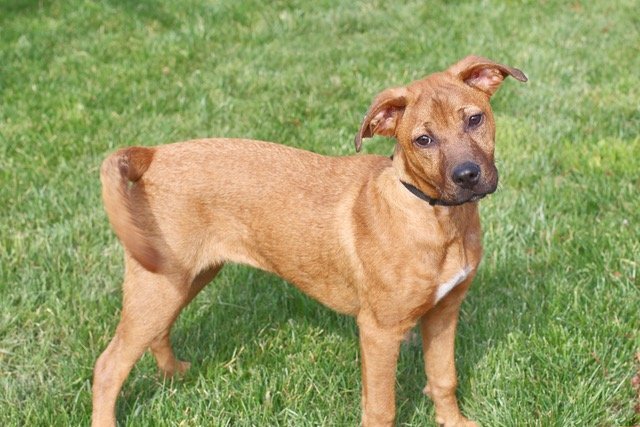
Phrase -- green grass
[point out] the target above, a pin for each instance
(550, 329)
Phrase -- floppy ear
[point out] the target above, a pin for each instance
(484, 74)
(383, 115)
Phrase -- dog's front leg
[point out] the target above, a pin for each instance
(438, 327)
(379, 347)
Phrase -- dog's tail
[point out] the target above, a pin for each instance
(125, 203)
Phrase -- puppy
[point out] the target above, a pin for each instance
(394, 242)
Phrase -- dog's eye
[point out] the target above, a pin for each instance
(475, 120)
(424, 140)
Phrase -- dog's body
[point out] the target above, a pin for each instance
(349, 231)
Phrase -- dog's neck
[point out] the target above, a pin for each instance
(453, 221)
(420, 195)
(409, 181)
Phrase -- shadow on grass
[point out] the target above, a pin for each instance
(11, 8)
(241, 308)
(146, 10)
(242, 301)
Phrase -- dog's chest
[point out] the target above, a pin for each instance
(447, 286)
(459, 261)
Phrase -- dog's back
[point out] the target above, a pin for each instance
(205, 202)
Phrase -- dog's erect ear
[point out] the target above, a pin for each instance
(483, 73)
(383, 115)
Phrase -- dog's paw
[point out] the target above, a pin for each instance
(177, 368)
(454, 418)
(183, 367)
(459, 421)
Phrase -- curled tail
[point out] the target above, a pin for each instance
(126, 205)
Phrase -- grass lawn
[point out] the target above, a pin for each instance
(549, 334)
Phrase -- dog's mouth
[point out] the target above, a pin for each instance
(477, 197)
(473, 197)
(480, 191)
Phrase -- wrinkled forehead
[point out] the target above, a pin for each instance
(444, 95)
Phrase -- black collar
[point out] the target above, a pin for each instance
(419, 194)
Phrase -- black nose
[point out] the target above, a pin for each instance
(466, 175)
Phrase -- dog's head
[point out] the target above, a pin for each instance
(445, 129)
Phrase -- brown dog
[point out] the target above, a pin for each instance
(392, 242)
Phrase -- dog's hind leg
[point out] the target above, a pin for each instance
(161, 347)
(151, 303)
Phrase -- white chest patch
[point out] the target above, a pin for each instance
(446, 287)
